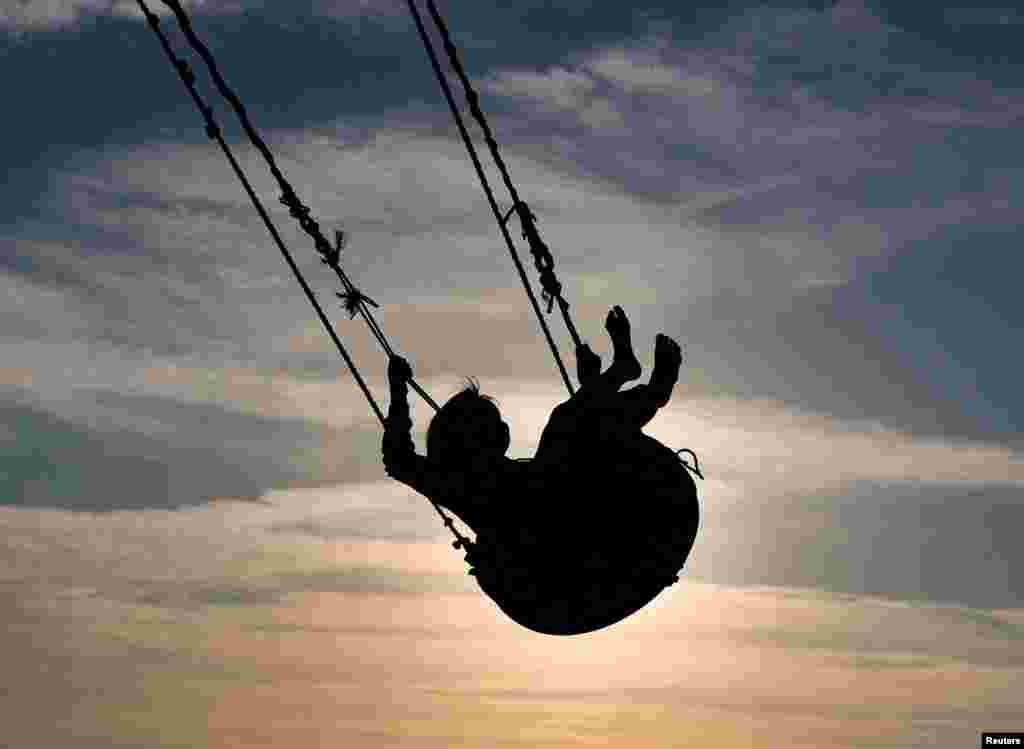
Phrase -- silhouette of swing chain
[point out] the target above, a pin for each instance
(354, 300)
(518, 206)
(542, 258)
(213, 131)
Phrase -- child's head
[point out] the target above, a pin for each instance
(468, 425)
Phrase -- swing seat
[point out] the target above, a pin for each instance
(600, 548)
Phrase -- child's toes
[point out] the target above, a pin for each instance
(616, 323)
(676, 352)
(621, 316)
(667, 350)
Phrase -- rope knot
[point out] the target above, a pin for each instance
(695, 468)
(331, 255)
(185, 72)
(352, 299)
(542, 259)
(552, 287)
(328, 253)
(296, 209)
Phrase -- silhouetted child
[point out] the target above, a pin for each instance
(465, 469)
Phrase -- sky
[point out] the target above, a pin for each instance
(820, 202)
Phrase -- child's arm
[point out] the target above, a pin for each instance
(399, 451)
(400, 459)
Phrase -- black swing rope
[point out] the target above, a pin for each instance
(542, 256)
(543, 260)
(354, 300)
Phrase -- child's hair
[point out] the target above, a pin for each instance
(462, 426)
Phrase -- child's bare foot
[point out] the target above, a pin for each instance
(624, 361)
(588, 364)
(668, 357)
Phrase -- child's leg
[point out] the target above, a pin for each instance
(638, 405)
(624, 367)
(635, 408)
(668, 357)
(588, 365)
(596, 403)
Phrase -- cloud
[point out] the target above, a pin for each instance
(900, 540)
(120, 452)
(25, 16)
(701, 106)
(266, 359)
(42, 13)
(791, 497)
(744, 177)
(745, 208)
(173, 278)
(722, 117)
(33, 15)
(170, 288)
(561, 90)
(848, 506)
(180, 267)
(559, 87)
(643, 71)
(238, 553)
(783, 663)
(406, 233)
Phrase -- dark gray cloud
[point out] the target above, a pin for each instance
(847, 169)
(806, 227)
(899, 540)
(924, 364)
(149, 452)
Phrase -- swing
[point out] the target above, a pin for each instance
(560, 575)
(560, 567)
